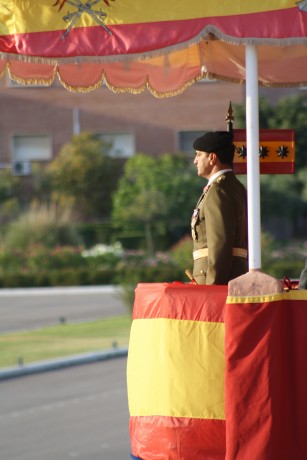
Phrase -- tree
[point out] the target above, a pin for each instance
(158, 194)
(9, 196)
(84, 175)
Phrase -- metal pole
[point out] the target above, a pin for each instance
(253, 174)
(76, 121)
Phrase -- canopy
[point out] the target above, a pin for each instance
(163, 46)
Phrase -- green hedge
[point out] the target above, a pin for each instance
(88, 277)
(69, 266)
(290, 268)
(61, 277)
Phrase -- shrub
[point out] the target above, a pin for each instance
(103, 255)
(283, 258)
(59, 266)
(60, 257)
(38, 258)
(136, 268)
(291, 268)
(63, 277)
(181, 253)
(43, 225)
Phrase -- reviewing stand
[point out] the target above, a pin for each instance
(214, 375)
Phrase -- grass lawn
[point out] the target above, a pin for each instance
(63, 340)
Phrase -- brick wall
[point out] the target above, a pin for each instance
(155, 123)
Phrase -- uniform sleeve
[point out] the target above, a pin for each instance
(220, 228)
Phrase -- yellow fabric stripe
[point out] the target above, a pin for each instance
(20, 16)
(176, 368)
(298, 294)
(132, 11)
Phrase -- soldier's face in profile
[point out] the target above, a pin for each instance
(204, 164)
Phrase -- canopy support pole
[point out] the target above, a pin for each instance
(255, 282)
(253, 170)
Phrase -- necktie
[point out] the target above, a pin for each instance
(206, 188)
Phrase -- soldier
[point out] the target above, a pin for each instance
(219, 221)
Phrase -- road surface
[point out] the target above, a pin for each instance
(24, 309)
(75, 413)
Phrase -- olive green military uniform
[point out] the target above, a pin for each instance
(219, 229)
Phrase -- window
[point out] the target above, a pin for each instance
(122, 145)
(186, 139)
(29, 148)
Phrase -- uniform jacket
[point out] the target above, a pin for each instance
(219, 223)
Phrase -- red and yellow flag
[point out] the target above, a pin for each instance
(166, 46)
(276, 151)
(176, 394)
(213, 377)
(130, 27)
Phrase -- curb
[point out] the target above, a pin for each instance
(45, 366)
(61, 290)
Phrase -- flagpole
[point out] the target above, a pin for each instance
(253, 174)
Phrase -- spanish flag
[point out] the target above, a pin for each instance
(164, 46)
(61, 28)
(175, 372)
(215, 377)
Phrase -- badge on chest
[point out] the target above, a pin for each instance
(194, 221)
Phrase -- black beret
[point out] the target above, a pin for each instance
(213, 141)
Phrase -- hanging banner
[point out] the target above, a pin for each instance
(276, 151)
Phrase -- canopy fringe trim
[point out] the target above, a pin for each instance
(134, 90)
(128, 89)
(28, 81)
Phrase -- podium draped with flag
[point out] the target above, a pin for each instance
(214, 377)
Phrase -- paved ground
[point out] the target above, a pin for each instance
(76, 413)
(23, 309)
(79, 412)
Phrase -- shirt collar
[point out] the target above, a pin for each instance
(216, 175)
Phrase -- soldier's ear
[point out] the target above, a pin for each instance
(213, 158)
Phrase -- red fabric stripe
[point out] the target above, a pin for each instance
(265, 135)
(95, 41)
(278, 24)
(276, 167)
(145, 37)
(180, 301)
(266, 380)
(170, 438)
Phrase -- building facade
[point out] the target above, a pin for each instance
(36, 121)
